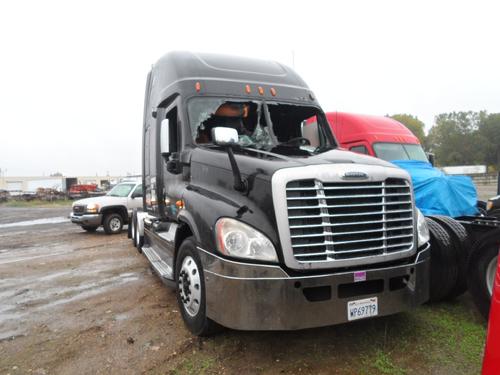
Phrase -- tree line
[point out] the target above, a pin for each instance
(459, 138)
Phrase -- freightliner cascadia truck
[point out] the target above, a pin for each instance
(255, 225)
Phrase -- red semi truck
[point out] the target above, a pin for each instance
(377, 136)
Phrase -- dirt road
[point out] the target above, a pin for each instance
(78, 303)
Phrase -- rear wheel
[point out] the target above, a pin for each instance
(132, 228)
(138, 239)
(481, 270)
(191, 295)
(89, 228)
(461, 243)
(113, 223)
(129, 228)
(444, 263)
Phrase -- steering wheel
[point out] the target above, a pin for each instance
(301, 141)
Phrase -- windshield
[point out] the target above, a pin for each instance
(286, 129)
(399, 151)
(121, 190)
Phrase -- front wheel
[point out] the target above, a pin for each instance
(191, 295)
(113, 223)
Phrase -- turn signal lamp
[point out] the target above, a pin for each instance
(179, 204)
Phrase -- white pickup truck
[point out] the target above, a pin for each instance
(112, 210)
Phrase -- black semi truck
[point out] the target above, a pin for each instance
(258, 226)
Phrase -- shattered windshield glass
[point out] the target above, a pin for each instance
(285, 129)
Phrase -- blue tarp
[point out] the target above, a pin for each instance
(437, 193)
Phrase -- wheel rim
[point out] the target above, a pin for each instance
(190, 286)
(115, 224)
(490, 274)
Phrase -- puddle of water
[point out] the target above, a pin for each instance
(33, 257)
(11, 335)
(49, 220)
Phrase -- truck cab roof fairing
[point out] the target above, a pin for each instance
(178, 72)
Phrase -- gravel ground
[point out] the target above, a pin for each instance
(73, 302)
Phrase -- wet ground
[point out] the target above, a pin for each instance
(73, 302)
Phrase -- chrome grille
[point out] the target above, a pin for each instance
(346, 220)
(78, 210)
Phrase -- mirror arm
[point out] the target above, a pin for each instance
(239, 183)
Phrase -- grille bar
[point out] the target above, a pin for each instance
(362, 250)
(357, 223)
(353, 232)
(356, 214)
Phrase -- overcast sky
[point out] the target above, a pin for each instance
(72, 74)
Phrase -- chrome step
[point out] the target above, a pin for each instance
(159, 266)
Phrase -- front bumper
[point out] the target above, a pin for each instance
(91, 220)
(262, 297)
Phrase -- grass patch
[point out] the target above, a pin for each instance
(383, 363)
(37, 203)
(196, 364)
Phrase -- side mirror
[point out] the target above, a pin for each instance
(164, 138)
(430, 157)
(224, 136)
(136, 195)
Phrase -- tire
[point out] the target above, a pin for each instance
(129, 229)
(138, 239)
(444, 263)
(132, 228)
(113, 223)
(89, 229)
(462, 244)
(192, 299)
(481, 258)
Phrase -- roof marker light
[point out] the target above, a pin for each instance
(261, 90)
(197, 86)
(273, 91)
(248, 90)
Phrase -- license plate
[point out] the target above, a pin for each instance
(362, 308)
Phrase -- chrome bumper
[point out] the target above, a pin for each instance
(91, 220)
(261, 297)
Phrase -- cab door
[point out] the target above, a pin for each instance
(134, 199)
(171, 184)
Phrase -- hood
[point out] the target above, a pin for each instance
(103, 200)
(264, 164)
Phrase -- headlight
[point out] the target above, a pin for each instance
(240, 240)
(489, 205)
(92, 208)
(422, 229)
